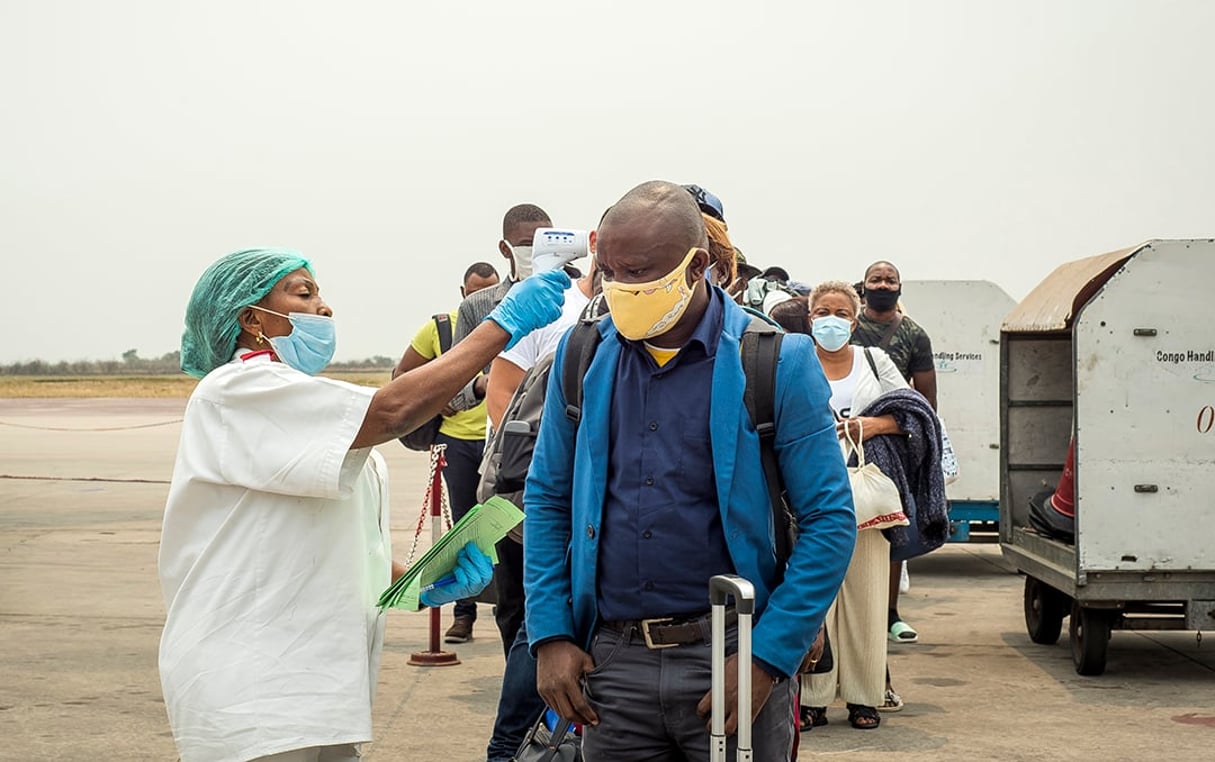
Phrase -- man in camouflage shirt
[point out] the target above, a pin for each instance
(882, 325)
(906, 342)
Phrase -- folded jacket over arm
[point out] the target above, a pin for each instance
(912, 460)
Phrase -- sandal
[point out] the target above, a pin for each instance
(901, 632)
(812, 717)
(863, 717)
(892, 703)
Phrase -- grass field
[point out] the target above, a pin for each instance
(176, 385)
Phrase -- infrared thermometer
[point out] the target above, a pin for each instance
(554, 248)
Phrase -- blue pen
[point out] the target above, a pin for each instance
(440, 582)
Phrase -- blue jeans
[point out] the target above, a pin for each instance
(519, 706)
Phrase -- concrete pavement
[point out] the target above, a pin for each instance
(80, 618)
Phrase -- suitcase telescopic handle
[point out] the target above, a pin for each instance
(722, 587)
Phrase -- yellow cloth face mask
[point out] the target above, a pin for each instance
(645, 310)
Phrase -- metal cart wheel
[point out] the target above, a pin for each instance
(1090, 636)
(1045, 608)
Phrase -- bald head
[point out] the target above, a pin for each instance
(656, 235)
(664, 206)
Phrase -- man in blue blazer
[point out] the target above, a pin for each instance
(658, 487)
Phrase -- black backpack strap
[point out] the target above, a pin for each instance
(872, 364)
(760, 353)
(579, 351)
(443, 323)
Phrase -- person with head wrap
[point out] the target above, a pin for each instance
(723, 267)
(275, 542)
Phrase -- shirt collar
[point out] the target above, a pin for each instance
(708, 330)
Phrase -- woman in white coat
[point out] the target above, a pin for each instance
(275, 542)
(856, 621)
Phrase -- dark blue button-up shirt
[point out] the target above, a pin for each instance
(661, 538)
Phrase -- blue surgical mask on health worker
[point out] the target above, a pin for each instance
(310, 345)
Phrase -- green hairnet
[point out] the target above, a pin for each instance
(231, 284)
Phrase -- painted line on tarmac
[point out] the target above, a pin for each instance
(103, 428)
(83, 479)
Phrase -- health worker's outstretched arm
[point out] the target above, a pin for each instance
(412, 398)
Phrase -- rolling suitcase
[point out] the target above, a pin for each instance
(722, 587)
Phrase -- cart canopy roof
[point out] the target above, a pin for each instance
(1054, 302)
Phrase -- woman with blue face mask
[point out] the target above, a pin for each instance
(856, 622)
(275, 543)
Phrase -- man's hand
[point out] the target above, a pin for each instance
(467, 399)
(560, 666)
(819, 646)
(761, 688)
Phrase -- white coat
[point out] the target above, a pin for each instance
(274, 550)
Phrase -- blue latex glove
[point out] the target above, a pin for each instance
(474, 571)
(533, 303)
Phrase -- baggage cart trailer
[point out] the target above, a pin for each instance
(963, 319)
(1101, 351)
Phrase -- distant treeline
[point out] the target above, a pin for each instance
(132, 364)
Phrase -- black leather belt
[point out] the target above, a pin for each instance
(668, 632)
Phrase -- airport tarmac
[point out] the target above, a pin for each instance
(82, 487)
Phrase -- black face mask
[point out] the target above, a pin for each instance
(882, 300)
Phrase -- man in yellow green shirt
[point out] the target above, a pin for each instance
(463, 431)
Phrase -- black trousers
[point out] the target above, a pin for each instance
(508, 581)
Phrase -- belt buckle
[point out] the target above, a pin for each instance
(645, 633)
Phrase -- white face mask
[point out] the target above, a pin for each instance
(522, 256)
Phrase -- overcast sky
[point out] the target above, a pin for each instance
(970, 140)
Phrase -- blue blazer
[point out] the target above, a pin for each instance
(564, 497)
